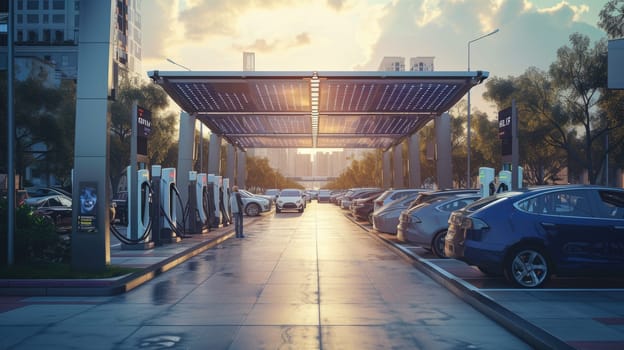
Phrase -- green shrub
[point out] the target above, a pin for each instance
(35, 238)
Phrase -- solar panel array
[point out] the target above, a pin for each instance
(355, 110)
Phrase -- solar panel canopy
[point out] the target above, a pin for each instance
(316, 109)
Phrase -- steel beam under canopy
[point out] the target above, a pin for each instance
(316, 109)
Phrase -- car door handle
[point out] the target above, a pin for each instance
(618, 227)
(548, 224)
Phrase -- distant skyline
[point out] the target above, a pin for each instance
(347, 35)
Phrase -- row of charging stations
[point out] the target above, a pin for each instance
(489, 184)
(208, 206)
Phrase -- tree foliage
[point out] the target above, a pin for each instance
(162, 142)
(612, 18)
(44, 126)
(260, 176)
(363, 172)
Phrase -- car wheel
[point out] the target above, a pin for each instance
(301, 210)
(278, 210)
(437, 244)
(252, 209)
(527, 267)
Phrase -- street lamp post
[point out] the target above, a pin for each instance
(468, 178)
(177, 64)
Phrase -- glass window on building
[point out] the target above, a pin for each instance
(32, 36)
(58, 36)
(58, 18)
(46, 18)
(20, 36)
(47, 35)
(46, 4)
(77, 5)
(32, 18)
(20, 19)
(58, 4)
(20, 4)
(32, 5)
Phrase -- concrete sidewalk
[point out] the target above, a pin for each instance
(152, 263)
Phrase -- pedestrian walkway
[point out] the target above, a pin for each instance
(297, 281)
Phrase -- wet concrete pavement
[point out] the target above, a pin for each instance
(297, 281)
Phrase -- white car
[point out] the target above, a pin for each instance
(254, 205)
(290, 199)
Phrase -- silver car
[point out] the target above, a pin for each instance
(254, 204)
(426, 223)
(394, 194)
(386, 218)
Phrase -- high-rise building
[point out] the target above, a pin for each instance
(392, 64)
(422, 64)
(397, 64)
(47, 31)
(249, 61)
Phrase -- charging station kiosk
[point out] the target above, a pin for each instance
(486, 182)
(227, 215)
(214, 183)
(168, 205)
(201, 187)
(143, 214)
(504, 181)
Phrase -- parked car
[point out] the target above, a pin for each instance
(254, 205)
(426, 223)
(273, 192)
(290, 199)
(393, 194)
(57, 208)
(386, 218)
(362, 208)
(429, 196)
(336, 196)
(345, 202)
(34, 192)
(323, 196)
(531, 234)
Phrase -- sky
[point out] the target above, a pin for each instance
(354, 35)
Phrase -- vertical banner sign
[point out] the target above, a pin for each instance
(504, 131)
(144, 124)
(87, 217)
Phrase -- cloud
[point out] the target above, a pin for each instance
(336, 4)
(265, 46)
(159, 32)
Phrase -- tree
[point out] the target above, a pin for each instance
(44, 126)
(580, 76)
(361, 173)
(260, 176)
(612, 18)
(162, 143)
(538, 122)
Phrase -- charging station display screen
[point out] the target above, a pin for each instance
(87, 214)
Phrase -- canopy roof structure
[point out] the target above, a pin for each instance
(253, 109)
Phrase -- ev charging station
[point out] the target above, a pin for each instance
(227, 216)
(142, 216)
(214, 186)
(168, 205)
(198, 211)
(486, 182)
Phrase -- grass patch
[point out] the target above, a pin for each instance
(59, 270)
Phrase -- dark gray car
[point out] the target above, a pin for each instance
(426, 223)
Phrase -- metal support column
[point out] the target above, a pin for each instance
(230, 163)
(444, 166)
(413, 161)
(397, 174)
(214, 155)
(185, 157)
(241, 169)
(386, 176)
(90, 249)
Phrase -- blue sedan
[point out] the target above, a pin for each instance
(531, 234)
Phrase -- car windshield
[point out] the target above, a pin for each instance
(290, 194)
